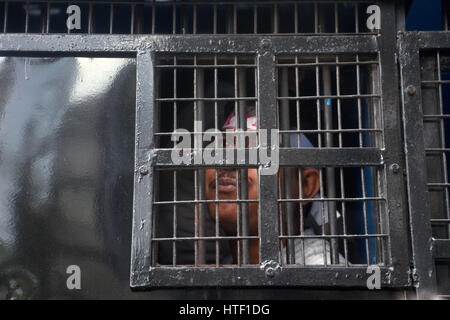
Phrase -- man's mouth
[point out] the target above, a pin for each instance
(225, 185)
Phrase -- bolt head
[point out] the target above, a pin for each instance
(143, 170)
(395, 168)
(411, 90)
(270, 272)
(265, 43)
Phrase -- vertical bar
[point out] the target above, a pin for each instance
(267, 183)
(143, 188)
(300, 183)
(358, 93)
(215, 20)
(336, 18)
(366, 229)
(111, 18)
(338, 100)
(319, 121)
(68, 30)
(331, 179)
(175, 110)
(194, 18)
(416, 167)
(297, 100)
(316, 18)
(394, 189)
(237, 172)
(43, 18)
(153, 16)
(235, 30)
(243, 172)
(288, 206)
(174, 18)
(442, 136)
(5, 17)
(216, 126)
(255, 19)
(344, 220)
(199, 116)
(174, 242)
(275, 19)
(445, 14)
(27, 15)
(133, 15)
(296, 30)
(90, 26)
(322, 224)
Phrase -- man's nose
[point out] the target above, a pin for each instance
(228, 172)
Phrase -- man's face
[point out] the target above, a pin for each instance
(226, 187)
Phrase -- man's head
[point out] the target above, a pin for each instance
(223, 182)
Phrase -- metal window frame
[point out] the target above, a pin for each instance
(425, 249)
(144, 48)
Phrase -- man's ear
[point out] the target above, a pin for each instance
(310, 182)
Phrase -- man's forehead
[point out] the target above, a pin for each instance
(231, 122)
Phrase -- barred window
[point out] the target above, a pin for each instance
(188, 17)
(269, 142)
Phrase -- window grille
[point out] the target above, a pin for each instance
(291, 70)
(425, 73)
(183, 17)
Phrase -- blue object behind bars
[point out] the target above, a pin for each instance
(425, 15)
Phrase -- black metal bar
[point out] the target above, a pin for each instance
(393, 187)
(308, 276)
(243, 174)
(331, 187)
(416, 165)
(288, 214)
(20, 44)
(267, 190)
(143, 177)
(5, 17)
(338, 157)
(199, 126)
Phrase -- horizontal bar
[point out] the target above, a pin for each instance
(285, 132)
(315, 64)
(435, 81)
(331, 130)
(206, 99)
(435, 116)
(331, 157)
(204, 238)
(427, 39)
(311, 157)
(333, 199)
(438, 185)
(204, 66)
(255, 275)
(177, 2)
(180, 202)
(440, 221)
(437, 150)
(340, 236)
(441, 249)
(348, 96)
(22, 44)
